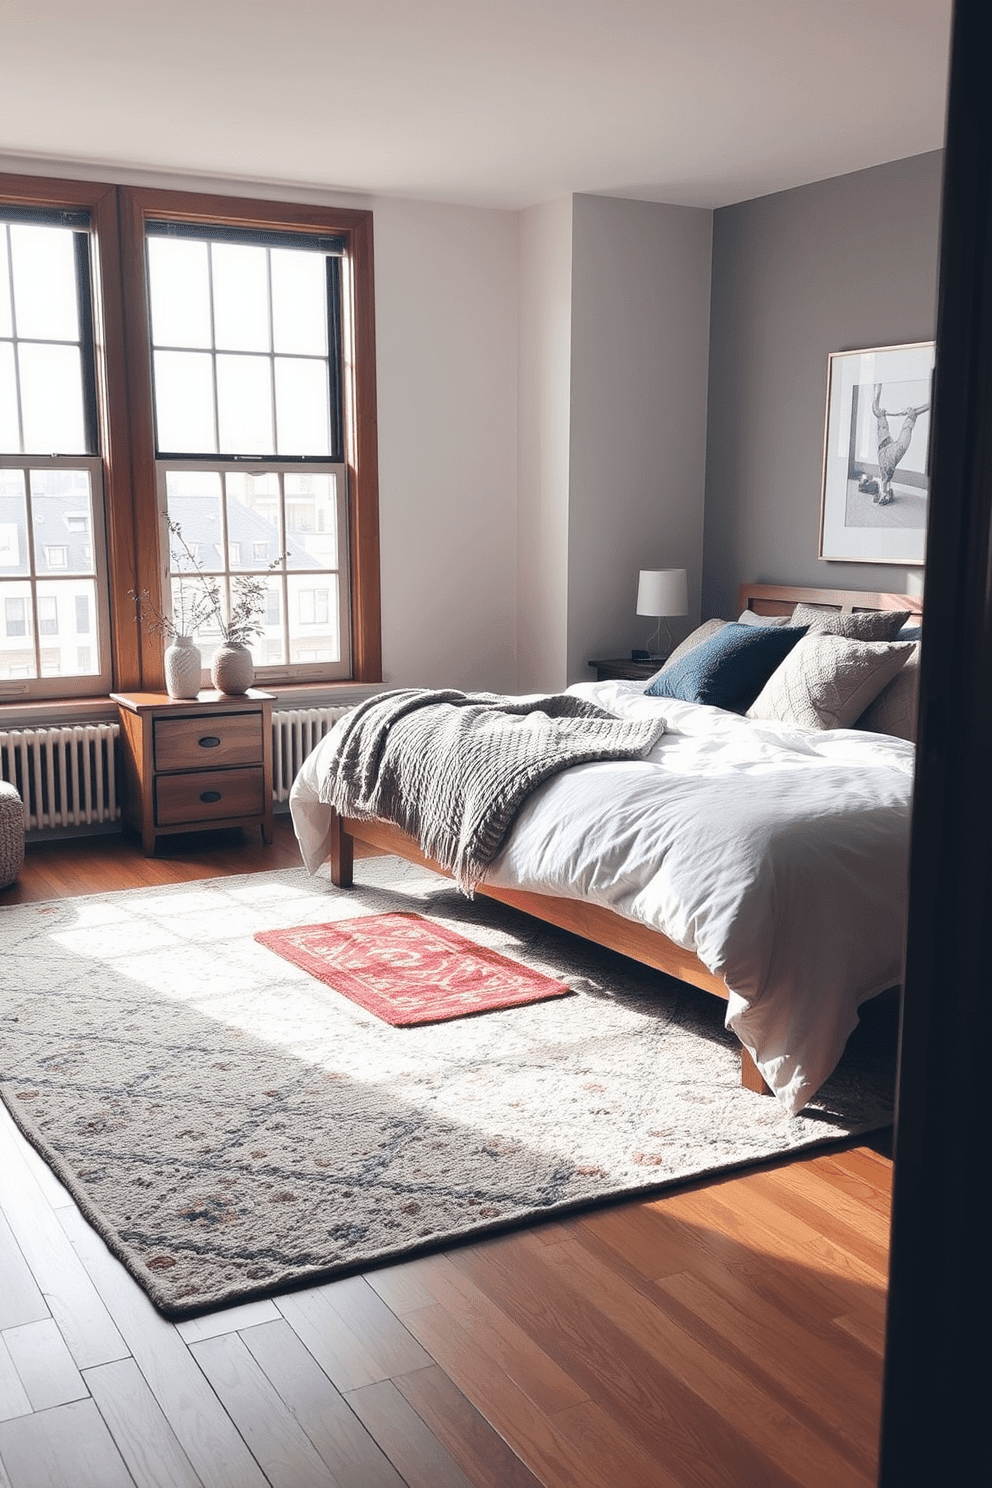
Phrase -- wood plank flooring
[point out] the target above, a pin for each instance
(726, 1336)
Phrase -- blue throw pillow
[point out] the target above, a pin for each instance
(730, 669)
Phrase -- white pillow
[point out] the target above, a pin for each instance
(827, 681)
(748, 617)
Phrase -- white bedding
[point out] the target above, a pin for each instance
(779, 856)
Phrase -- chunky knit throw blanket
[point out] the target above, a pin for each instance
(453, 768)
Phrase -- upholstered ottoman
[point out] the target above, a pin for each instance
(11, 834)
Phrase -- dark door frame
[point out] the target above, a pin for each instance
(934, 1429)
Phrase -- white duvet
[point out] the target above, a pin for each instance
(779, 856)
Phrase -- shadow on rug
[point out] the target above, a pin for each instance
(232, 1127)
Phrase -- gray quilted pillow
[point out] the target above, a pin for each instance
(827, 681)
(695, 638)
(865, 625)
(894, 710)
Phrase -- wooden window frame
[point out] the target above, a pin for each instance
(136, 535)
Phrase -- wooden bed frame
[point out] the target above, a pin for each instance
(592, 921)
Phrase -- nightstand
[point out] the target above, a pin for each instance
(624, 670)
(195, 764)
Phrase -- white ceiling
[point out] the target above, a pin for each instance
(495, 102)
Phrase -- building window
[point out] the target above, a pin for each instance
(82, 614)
(15, 617)
(48, 615)
(56, 555)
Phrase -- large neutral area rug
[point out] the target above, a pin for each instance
(232, 1126)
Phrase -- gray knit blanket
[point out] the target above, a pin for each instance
(453, 769)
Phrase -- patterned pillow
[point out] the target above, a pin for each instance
(865, 625)
(828, 681)
(728, 670)
(894, 710)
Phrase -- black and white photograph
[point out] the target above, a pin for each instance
(875, 468)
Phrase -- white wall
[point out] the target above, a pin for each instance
(545, 340)
(640, 329)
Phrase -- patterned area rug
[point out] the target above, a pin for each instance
(407, 970)
(232, 1127)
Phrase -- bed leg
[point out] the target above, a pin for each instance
(751, 1076)
(342, 854)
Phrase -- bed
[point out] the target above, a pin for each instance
(834, 885)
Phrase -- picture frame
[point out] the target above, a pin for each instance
(876, 454)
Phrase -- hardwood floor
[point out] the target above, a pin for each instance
(728, 1334)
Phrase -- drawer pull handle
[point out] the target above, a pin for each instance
(210, 796)
(209, 741)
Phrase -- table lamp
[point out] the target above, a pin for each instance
(661, 592)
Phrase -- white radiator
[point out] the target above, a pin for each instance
(295, 731)
(68, 777)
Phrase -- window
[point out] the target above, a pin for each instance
(15, 614)
(223, 376)
(246, 356)
(48, 615)
(47, 403)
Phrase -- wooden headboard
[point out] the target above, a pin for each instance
(779, 599)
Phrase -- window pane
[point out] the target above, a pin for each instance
(62, 654)
(244, 405)
(184, 402)
(6, 324)
(241, 298)
(311, 521)
(14, 556)
(179, 287)
(302, 407)
(253, 521)
(299, 302)
(269, 648)
(58, 499)
(10, 434)
(44, 262)
(17, 658)
(318, 639)
(194, 499)
(52, 399)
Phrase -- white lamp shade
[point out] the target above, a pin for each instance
(662, 591)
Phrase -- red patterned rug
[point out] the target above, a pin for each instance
(407, 970)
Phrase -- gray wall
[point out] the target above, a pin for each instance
(844, 263)
(637, 430)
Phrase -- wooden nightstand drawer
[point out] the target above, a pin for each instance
(208, 741)
(208, 795)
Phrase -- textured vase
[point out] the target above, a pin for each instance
(232, 669)
(182, 668)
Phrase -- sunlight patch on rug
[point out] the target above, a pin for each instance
(233, 1127)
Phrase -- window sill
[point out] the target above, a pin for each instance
(57, 712)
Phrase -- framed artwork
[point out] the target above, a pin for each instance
(876, 475)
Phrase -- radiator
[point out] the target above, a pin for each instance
(295, 731)
(68, 777)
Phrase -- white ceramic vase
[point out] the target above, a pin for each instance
(232, 669)
(182, 668)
